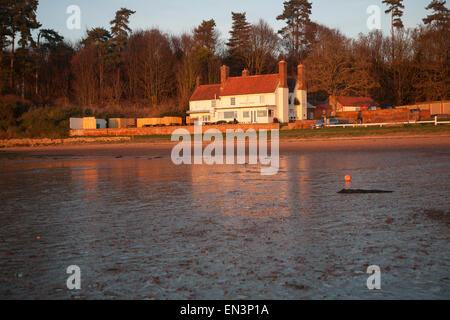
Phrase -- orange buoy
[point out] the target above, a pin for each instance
(348, 178)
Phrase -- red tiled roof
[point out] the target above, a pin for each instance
(238, 86)
(206, 92)
(356, 101)
(251, 85)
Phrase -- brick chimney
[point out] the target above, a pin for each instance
(198, 81)
(334, 104)
(224, 74)
(332, 101)
(301, 77)
(283, 94)
(245, 72)
(283, 74)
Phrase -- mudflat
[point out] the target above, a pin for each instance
(140, 227)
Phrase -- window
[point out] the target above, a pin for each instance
(233, 101)
(213, 103)
(206, 118)
(230, 115)
(262, 113)
(246, 114)
(270, 113)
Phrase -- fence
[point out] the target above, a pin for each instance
(436, 107)
(384, 124)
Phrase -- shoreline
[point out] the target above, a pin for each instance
(163, 148)
(8, 144)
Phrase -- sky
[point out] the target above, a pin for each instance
(178, 16)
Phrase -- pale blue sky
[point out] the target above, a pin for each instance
(177, 16)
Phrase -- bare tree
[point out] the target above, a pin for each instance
(263, 48)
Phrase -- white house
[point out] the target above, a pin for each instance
(251, 99)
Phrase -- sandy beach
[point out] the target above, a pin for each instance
(159, 148)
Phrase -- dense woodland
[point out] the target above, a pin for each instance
(124, 72)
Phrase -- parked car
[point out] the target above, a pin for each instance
(320, 124)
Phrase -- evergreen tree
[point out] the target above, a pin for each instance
(440, 16)
(3, 37)
(433, 65)
(52, 40)
(21, 19)
(120, 30)
(205, 35)
(296, 15)
(207, 63)
(99, 40)
(395, 8)
(238, 44)
(51, 37)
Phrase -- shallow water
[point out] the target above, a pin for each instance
(142, 228)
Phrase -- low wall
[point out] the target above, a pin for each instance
(386, 115)
(169, 130)
(298, 125)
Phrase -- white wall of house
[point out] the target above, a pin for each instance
(283, 104)
(250, 100)
(246, 115)
(198, 109)
(202, 105)
(302, 108)
(252, 108)
(202, 118)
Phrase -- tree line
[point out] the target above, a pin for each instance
(116, 66)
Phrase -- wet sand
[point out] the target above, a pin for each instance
(159, 149)
(140, 227)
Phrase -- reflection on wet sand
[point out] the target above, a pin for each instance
(140, 227)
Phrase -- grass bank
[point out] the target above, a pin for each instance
(362, 131)
(336, 133)
(307, 134)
